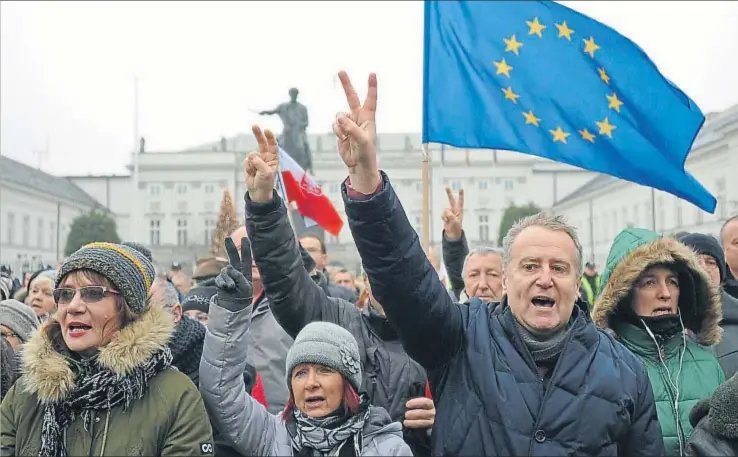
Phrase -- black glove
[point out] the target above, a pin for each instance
(235, 291)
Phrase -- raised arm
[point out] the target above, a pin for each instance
(241, 419)
(429, 323)
(294, 298)
(453, 241)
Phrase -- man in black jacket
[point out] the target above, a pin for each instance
(391, 378)
(532, 376)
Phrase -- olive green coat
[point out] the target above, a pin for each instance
(169, 420)
(680, 374)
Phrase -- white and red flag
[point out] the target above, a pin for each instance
(299, 188)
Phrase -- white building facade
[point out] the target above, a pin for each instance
(36, 210)
(605, 205)
(179, 193)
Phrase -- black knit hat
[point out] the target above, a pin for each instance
(129, 270)
(140, 248)
(707, 245)
(198, 299)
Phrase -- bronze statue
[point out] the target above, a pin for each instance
(293, 139)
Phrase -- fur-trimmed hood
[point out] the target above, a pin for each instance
(48, 373)
(632, 252)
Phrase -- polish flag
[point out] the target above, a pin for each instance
(302, 190)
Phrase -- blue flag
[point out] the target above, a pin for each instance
(542, 79)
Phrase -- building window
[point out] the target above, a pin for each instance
(26, 228)
(154, 190)
(154, 232)
(11, 228)
(209, 227)
(209, 188)
(482, 184)
(509, 184)
(181, 189)
(40, 234)
(52, 236)
(181, 232)
(483, 227)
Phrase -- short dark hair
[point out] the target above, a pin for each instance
(316, 237)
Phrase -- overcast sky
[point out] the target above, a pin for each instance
(67, 69)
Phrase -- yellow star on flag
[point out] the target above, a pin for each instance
(503, 68)
(564, 30)
(512, 45)
(605, 127)
(559, 135)
(603, 75)
(587, 135)
(614, 102)
(510, 95)
(590, 46)
(531, 118)
(535, 27)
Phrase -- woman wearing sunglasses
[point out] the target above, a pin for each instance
(96, 379)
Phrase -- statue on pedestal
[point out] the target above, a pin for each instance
(293, 139)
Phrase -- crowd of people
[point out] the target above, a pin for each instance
(519, 350)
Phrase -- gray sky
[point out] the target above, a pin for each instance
(67, 69)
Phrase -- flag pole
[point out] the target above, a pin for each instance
(425, 183)
(285, 199)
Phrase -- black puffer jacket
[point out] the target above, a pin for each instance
(715, 422)
(391, 377)
(489, 396)
(726, 350)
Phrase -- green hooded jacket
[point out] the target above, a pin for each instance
(169, 420)
(681, 374)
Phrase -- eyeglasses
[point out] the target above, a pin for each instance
(89, 294)
(9, 334)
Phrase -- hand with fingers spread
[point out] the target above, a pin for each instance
(261, 167)
(235, 291)
(453, 216)
(356, 132)
(421, 413)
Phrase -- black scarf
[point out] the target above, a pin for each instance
(96, 388)
(545, 348)
(186, 346)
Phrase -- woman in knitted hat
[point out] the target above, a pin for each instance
(325, 413)
(96, 378)
(658, 302)
(17, 322)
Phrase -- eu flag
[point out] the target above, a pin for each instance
(542, 79)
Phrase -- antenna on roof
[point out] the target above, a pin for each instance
(42, 154)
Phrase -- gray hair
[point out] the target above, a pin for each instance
(722, 229)
(479, 250)
(167, 293)
(555, 223)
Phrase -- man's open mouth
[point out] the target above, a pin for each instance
(545, 302)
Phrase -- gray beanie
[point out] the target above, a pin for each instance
(329, 345)
(140, 248)
(129, 270)
(19, 318)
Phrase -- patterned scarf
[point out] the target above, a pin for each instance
(97, 388)
(324, 436)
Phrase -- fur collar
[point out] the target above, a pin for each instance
(48, 374)
(664, 250)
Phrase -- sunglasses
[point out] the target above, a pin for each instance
(89, 294)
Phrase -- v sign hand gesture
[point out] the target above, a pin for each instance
(356, 132)
(260, 168)
(453, 216)
(235, 290)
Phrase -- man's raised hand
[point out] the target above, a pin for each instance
(261, 167)
(356, 132)
(453, 216)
